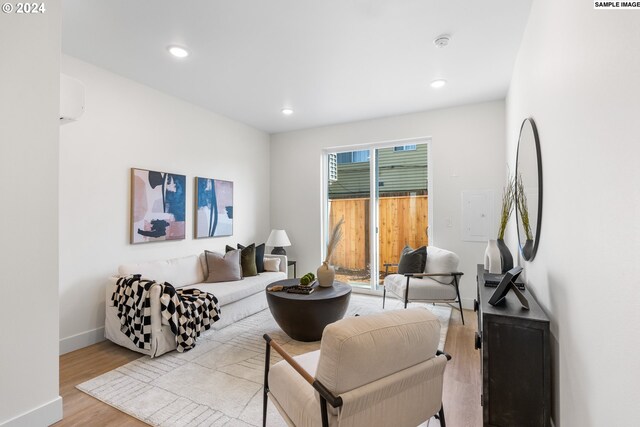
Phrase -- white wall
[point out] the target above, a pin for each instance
(29, 97)
(577, 76)
(467, 141)
(129, 125)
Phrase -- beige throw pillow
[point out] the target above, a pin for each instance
(272, 264)
(223, 268)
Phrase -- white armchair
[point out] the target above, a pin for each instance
(439, 283)
(377, 370)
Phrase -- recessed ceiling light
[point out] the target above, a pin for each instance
(178, 52)
(287, 111)
(438, 83)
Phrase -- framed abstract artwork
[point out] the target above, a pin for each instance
(214, 208)
(157, 206)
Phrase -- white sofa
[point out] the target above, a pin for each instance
(237, 299)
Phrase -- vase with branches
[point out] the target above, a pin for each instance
(508, 204)
(326, 273)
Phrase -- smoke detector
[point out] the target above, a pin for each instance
(442, 41)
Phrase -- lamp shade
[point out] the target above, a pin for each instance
(278, 238)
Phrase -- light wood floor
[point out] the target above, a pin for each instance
(461, 384)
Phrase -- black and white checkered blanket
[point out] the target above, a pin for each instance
(189, 312)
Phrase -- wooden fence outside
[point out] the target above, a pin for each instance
(402, 221)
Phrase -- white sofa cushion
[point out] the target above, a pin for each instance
(419, 288)
(342, 368)
(177, 271)
(441, 261)
(228, 292)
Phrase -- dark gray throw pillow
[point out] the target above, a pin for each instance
(259, 256)
(412, 261)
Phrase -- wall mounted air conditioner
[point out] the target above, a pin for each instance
(71, 99)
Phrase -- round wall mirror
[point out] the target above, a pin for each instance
(528, 189)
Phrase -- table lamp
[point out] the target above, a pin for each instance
(278, 239)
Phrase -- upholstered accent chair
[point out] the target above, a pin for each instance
(438, 284)
(376, 370)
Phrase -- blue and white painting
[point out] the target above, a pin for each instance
(214, 208)
(157, 206)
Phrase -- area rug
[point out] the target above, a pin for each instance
(219, 382)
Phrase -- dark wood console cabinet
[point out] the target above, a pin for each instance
(515, 360)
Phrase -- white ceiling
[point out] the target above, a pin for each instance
(331, 61)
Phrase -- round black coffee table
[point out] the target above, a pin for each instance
(304, 317)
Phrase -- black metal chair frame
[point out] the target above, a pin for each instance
(325, 395)
(456, 284)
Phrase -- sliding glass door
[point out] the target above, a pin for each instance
(381, 192)
(349, 196)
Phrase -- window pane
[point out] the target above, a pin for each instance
(345, 157)
(402, 203)
(349, 199)
(405, 148)
(361, 156)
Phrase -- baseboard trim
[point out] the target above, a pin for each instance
(43, 415)
(81, 340)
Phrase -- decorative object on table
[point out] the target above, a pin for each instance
(278, 239)
(214, 208)
(529, 189)
(326, 273)
(307, 279)
(302, 290)
(505, 255)
(157, 206)
(508, 283)
(493, 280)
(492, 258)
(508, 202)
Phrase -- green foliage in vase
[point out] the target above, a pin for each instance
(523, 208)
(508, 202)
